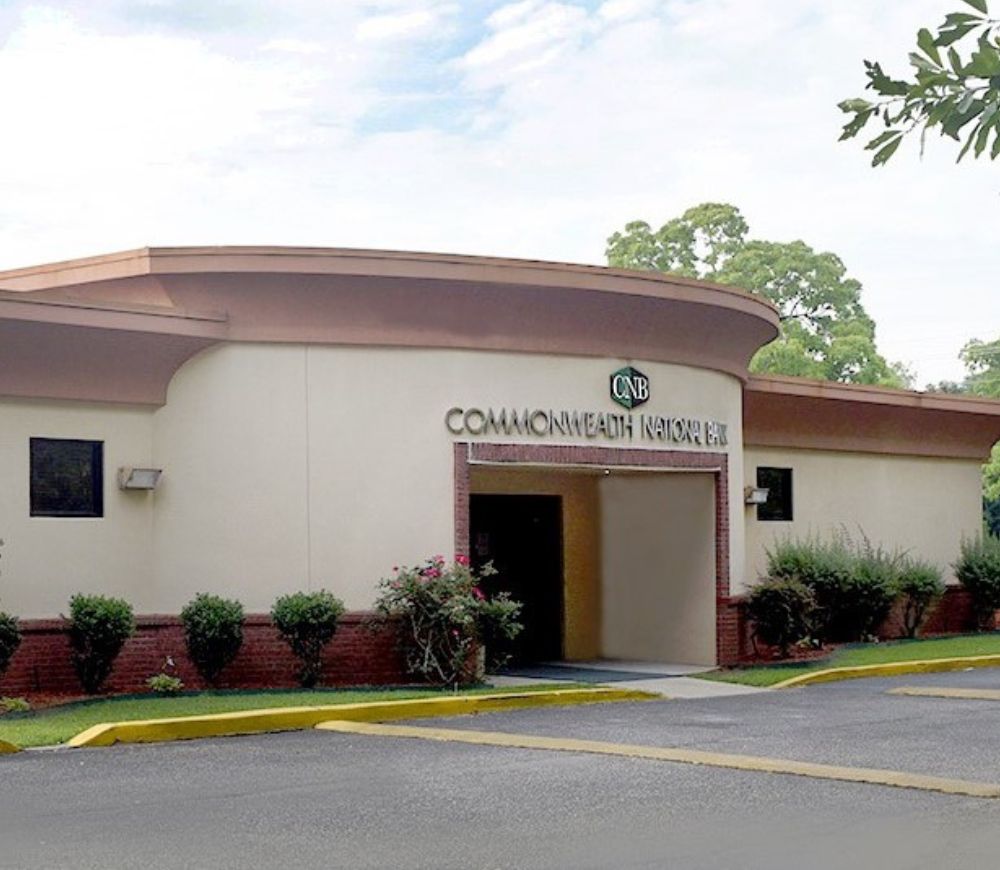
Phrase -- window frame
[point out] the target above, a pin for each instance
(771, 511)
(96, 510)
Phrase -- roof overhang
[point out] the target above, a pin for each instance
(818, 415)
(352, 297)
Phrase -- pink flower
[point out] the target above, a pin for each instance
(462, 560)
(478, 593)
(437, 560)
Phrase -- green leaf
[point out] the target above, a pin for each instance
(985, 62)
(979, 5)
(981, 139)
(855, 105)
(995, 150)
(886, 152)
(953, 18)
(882, 138)
(921, 62)
(925, 42)
(949, 35)
(955, 60)
(854, 126)
(967, 145)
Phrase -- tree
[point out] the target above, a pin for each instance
(825, 331)
(982, 366)
(955, 87)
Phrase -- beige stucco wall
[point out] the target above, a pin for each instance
(326, 466)
(581, 545)
(45, 560)
(658, 567)
(288, 467)
(920, 505)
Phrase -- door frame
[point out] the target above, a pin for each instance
(467, 454)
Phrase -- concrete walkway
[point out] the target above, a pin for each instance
(672, 681)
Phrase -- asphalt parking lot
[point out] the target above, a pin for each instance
(320, 799)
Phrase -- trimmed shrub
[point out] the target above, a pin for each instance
(10, 640)
(822, 566)
(165, 684)
(447, 620)
(870, 591)
(213, 632)
(307, 622)
(919, 585)
(98, 629)
(978, 570)
(781, 611)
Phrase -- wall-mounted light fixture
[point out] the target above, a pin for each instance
(139, 478)
(756, 495)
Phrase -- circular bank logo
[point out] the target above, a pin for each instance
(629, 387)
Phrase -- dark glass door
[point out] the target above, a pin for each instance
(522, 536)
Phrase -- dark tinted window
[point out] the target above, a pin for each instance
(67, 478)
(778, 482)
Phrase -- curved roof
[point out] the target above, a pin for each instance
(116, 327)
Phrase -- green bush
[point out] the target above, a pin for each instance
(781, 611)
(14, 705)
(10, 639)
(446, 620)
(822, 566)
(98, 629)
(213, 632)
(978, 570)
(919, 585)
(307, 622)
(869, 593)
(165, 684)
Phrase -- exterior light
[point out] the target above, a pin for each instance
(139, 478)
(756, 495)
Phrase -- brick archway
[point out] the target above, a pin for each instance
(468, 454)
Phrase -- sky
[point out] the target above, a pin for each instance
(526, 129)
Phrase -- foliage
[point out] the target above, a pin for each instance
(870, 591)
(98, 629)
(919, 585)
(445, 617)
(854, 583)
(165, 684)
(978, 570)
(982, 363)
(307, 622)
(781, 612)
(213, 631)
(955, 87)
(14, 705)
(10, 639)
(825, 331)
(824, 567)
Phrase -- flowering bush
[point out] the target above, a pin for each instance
(445, 618)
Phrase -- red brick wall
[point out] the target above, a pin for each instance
(355, 656)
(953, 614)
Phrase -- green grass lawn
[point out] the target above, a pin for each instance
(866, 654)
(55, 725)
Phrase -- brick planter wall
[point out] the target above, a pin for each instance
(355, 656)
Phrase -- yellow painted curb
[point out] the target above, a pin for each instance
(297, 718)
(944, 692)
(760, 764)
(8, 748)
(890, 669)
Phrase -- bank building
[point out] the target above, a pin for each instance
(253, 421)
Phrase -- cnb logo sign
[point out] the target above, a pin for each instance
(629, 387)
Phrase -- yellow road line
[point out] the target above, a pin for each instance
(890, 669)
(874, 776)
(932, 692)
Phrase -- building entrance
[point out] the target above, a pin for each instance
(522, 536)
